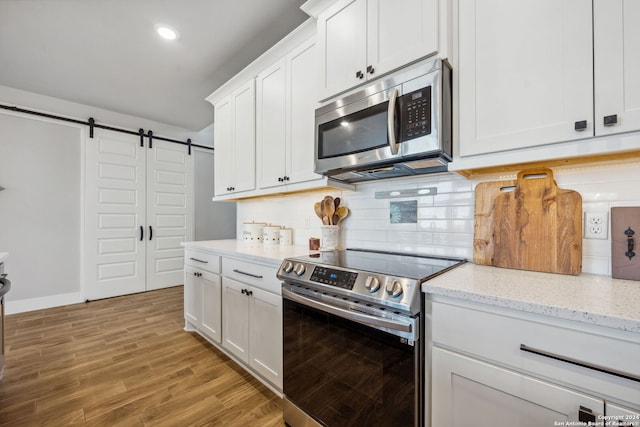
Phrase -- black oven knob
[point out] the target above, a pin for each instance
(372, 284)
(299, 269)
(394, 288)
(288, 267)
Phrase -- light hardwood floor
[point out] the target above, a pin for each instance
(124, 361)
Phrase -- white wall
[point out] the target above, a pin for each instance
(41, 209)
(445, 221)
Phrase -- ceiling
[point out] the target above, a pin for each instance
(106, 54)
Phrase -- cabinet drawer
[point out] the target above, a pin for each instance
(498, 336)
(202, 260)
(258, 275)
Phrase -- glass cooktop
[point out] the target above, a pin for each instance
(410, 266)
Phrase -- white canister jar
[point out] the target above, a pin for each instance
(329, 237)
(252, 231)
(271, 235)
(286, 236)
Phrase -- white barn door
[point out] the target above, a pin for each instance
(115, 234)
(169, 169)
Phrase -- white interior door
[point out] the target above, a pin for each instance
(114, 215)
(169, 169)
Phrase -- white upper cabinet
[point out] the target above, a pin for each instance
(234, 137)
(525, 73)
(617, 65)
(363, 39)
(270, 125)
(285, 108)
(302, 74)
(540, 80)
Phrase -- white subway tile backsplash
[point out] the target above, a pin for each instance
(445, 221)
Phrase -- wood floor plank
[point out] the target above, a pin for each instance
(124, 362)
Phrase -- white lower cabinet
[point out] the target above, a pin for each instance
(467, 391)
(252, 322)
(202, 294)
(236, 305)
(501, 367)
(202, 302)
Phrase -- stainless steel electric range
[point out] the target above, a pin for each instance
(353, 332)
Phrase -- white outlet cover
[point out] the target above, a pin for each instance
(596, 225)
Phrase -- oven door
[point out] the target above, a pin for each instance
(342, 372)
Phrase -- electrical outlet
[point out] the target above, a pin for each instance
(596, 225)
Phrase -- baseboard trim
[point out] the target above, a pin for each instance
(24, 305)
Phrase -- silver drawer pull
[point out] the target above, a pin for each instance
(199, 260)
(248, 274)
(576, 362)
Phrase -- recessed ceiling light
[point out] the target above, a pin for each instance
(166, 32)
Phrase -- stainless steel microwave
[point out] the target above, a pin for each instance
(396, 127)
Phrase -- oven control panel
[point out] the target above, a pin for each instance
(334, 277)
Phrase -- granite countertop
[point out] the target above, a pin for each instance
(257, 252)
(3, 256)
(598, 300)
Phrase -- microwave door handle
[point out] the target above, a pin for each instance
(391, 122)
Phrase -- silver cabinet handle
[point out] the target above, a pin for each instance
(364, 319)
(199, 260)
(577, 362)
(248, 274)
(391, 122)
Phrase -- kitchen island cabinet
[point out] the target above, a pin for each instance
(530, 349)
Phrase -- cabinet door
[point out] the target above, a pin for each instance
(192, 296)
(625, 417)
(617, 65)
(342, 33)
(235, 318)
(302, 68)
(244, 138)
(399, 32)
(211, 306)
(266, 335)
(224, 159)
(525, 73)
(169, 207)
(115, 222)
(271, 125)
(467, 392)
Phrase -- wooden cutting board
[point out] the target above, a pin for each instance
(535, 226)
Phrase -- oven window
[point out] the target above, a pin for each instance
(357, 132)
(346, 374)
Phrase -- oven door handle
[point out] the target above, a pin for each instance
(362, 318)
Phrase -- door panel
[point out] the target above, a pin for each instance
(114, 212)
(467, 391)
(235, 314)
(617, 64)
(168, 201)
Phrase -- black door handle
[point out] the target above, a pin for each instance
(141, 233)
(150, 233)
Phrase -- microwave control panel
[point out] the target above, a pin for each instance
(415, 113)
